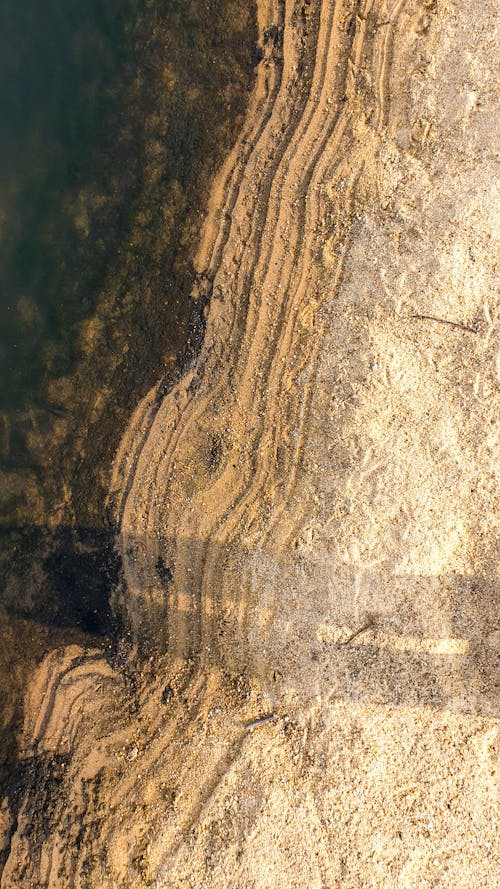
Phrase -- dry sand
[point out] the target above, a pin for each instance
(308, 519)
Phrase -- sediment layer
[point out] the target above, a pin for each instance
(306, 520)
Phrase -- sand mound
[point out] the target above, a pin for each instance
(307, 520)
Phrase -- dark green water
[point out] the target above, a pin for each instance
(114, 115)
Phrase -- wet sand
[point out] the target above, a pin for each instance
(309, 691)
(116, 150)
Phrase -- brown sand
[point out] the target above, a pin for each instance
(308, 519)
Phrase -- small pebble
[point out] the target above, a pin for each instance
(166, 694)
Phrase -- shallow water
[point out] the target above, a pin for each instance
(114, 116)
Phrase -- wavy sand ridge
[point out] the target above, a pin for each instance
(218, 465)
(307, 519)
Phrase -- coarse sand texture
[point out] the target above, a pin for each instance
(308, 697)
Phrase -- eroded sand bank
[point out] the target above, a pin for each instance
(307, 522)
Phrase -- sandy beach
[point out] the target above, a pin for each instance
(307, 695)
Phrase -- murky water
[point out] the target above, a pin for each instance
(114, 115)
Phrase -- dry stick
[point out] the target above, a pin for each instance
(357, 633)
(260, 721)
(444, 321)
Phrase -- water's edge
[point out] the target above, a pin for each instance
(184, 93)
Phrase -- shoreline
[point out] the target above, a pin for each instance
(57, 547)
(306, 520)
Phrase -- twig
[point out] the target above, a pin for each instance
(261, 720)
(357, 633)
(445, 321)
